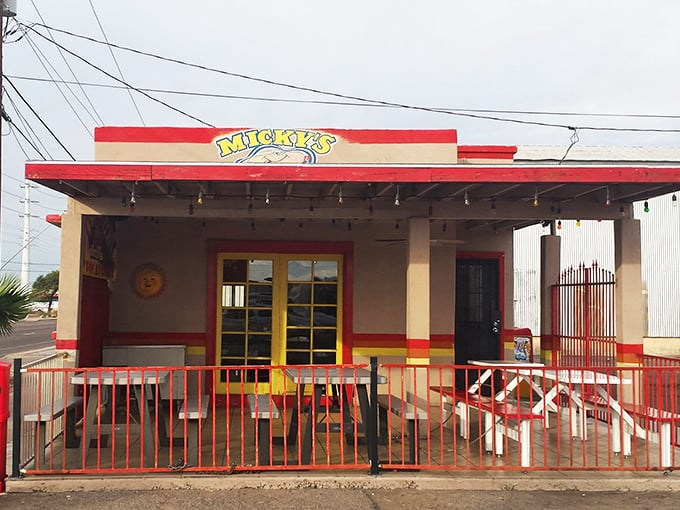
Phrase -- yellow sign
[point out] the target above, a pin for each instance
(276, 145)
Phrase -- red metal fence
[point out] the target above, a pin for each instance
(387, 416)
(584, 318)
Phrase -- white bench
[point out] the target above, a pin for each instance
(409, 413)
(263, 410)
(191, 413)
(43, 418)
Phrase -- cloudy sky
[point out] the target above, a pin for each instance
(614, 63)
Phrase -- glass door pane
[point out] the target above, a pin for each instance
(246, 318)
(312, 312)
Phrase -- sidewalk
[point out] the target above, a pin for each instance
(447, 480)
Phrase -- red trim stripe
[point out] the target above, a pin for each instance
(208, 135)
(66, 345)
(398, 341)
(630, 349)
(486, 151)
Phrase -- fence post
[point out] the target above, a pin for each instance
(16, 420)
(373, 419)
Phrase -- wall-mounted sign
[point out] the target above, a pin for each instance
(100, 247)
(148, 281)
(276, 145)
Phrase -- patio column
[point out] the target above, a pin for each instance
(68, 318)
(417, 308)
(630, 307)
(550, 275)
(418, 292)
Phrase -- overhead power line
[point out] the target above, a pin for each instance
(348, 96)
(115, 61)
(155, 99)
(61, 54)
(39, 118)
(345, 103)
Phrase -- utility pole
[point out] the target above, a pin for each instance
(8, 9)
(26, 253)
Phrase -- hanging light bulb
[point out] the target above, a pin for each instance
(252, 225)
(396, 197)
(341, 200)
(349, 225)
(311, 205)
(300, 225)
(430, 211)
(333, 223)
(191, 209)
(559, 224)
(466, 198)
(493, 205)
(250, 206)
(646, 206)
(370, 207)
(608, 199)
(396, 225)
(266, 197)
(535, 202)
(622, 211)
(578, 223)
(674, 200)
(203, 223)
(123, 202)
(133, 199)
(199, 200)
(444, 226)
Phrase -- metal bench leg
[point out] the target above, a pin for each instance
(263, 435)
(192, 442)
(525, 443)
(71, 440)
(41, 432)
(488, 431)
(413, 449)
(665, 440)
(499, 430)
(463, 413)
(382, 423)
(616, 434)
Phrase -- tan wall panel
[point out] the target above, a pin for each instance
(340, 153)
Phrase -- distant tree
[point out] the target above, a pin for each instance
(45, 287)
(14, 303)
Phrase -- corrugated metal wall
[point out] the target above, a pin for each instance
(592, 242)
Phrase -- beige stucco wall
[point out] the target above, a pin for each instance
(178, 246)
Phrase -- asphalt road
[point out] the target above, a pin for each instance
(28, 335)
(341, 499)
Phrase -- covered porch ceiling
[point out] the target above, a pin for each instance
(507, 195)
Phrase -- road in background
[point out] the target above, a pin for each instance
(29, 335)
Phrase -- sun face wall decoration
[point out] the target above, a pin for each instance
(148, 281)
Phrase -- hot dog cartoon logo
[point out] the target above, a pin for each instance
(276, 145)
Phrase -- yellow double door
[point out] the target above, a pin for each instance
(276, 309)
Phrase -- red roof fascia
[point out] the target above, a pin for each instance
(89, 171)
(54, 219)
(348, 173)
(487, 151)
(208, 135)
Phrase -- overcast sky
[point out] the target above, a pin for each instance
(587, 57)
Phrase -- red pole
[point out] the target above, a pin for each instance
(4, 416)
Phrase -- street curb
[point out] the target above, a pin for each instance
(581, 482)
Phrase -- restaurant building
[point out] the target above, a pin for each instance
(322, 246)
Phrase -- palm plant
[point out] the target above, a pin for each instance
(14, 303)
